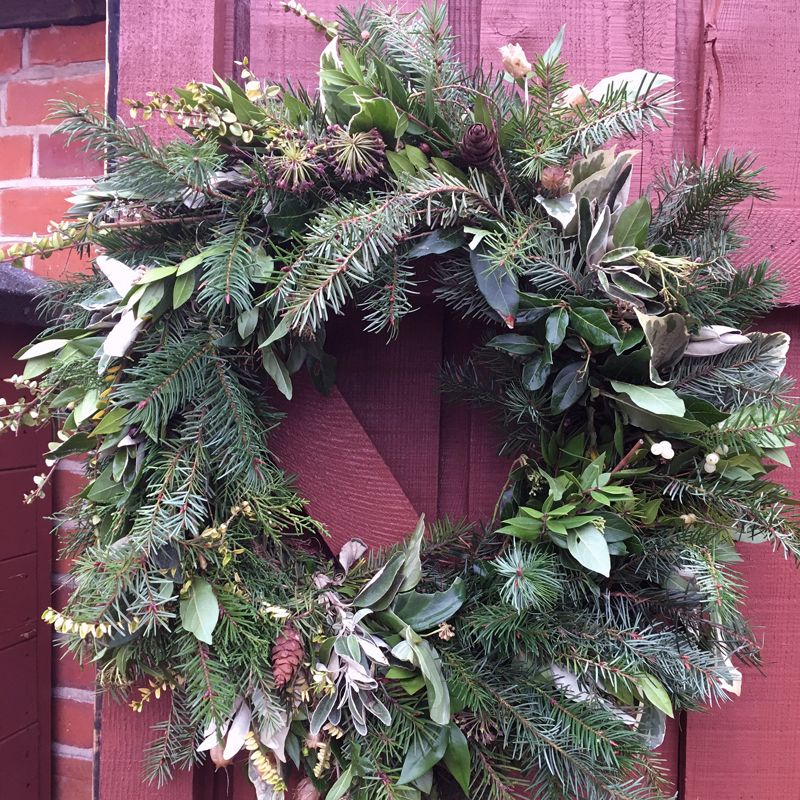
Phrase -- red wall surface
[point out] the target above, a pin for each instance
(737, 66)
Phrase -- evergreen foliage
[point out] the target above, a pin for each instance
(537, 654)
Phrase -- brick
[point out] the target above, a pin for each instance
(68, 44)
(72, 778)
(30, 209)
(69, 673)
(15, 156)
(58, 159)
(73, 722)
(61, 264)
(28, 102)
(10, 50)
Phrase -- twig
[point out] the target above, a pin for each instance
(628, 456)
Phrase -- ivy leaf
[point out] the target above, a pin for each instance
(556, 327)
(569, 386)
(498, 287)
(457, 757)
(200, 610)
(593, 325)
(633, 224)
(656, 401)
(589, 548)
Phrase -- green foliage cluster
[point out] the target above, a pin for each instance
(537, 655)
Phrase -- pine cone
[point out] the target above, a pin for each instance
(287, 653)
(479, 145)
(554, 180)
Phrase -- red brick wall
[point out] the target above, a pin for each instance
(37, 173)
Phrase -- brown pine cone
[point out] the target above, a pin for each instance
(478, 145)
(287, 653)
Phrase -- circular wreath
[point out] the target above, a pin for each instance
(537, 655)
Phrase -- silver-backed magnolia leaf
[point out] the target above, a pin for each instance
(561, 209)
(667, 338)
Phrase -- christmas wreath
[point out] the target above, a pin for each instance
(538, 654)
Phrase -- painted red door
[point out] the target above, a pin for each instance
(24, 592)
(419, 454)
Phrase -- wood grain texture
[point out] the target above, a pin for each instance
(346, 481)
(749, 749)
(123, 738)
(166, 43)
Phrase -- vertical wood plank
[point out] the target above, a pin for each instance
(166, 43)
(749, 748)
(464, 17)
(241, 34)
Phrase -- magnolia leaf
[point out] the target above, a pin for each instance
(561, 209)
(593, 325)
(412, 564)
(424, 612)
(119, 275)
(589, 548)
(656, 401)
(122, 335)
(497, 285)
(636, 83)
(383, 583)
(596, 246)
(427, 660)
(618, 254)
(457, 757)
(423, 755)
(350, 553)
(633, 224)
(633, 284)
(595, 162)
(569, 385)
(652, 726)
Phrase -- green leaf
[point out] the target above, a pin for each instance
(77, 443)
(412, 563)
(556, 327)
(423, 755)
(276, 369)
(656, 401)
(667, 337)
(342, 785)
(182, 290)
(593, 325)
(104, 490)
(111, 422)
(436, 242)
(633, 224)
(385, 582)
(633, 284)
(536, 371)
(654, 691)
(156, 274)
(87, 406)
(438, 694)
(246, 322)
(281, 329)
(589, 548)
(380, 113)
(188, 264)
(151, 297)
(457, 757)
(498, 286)
(200, 610)
(515, 344)
(423, 612)
(569, 386)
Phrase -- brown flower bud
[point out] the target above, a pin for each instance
(306, 790)
(479, 145)
(217, 759)
(554, 180)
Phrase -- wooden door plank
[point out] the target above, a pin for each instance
(18, 599)
(21, 775)
(393, 389)
(749, 748)
(18, 668)
(348, 485)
